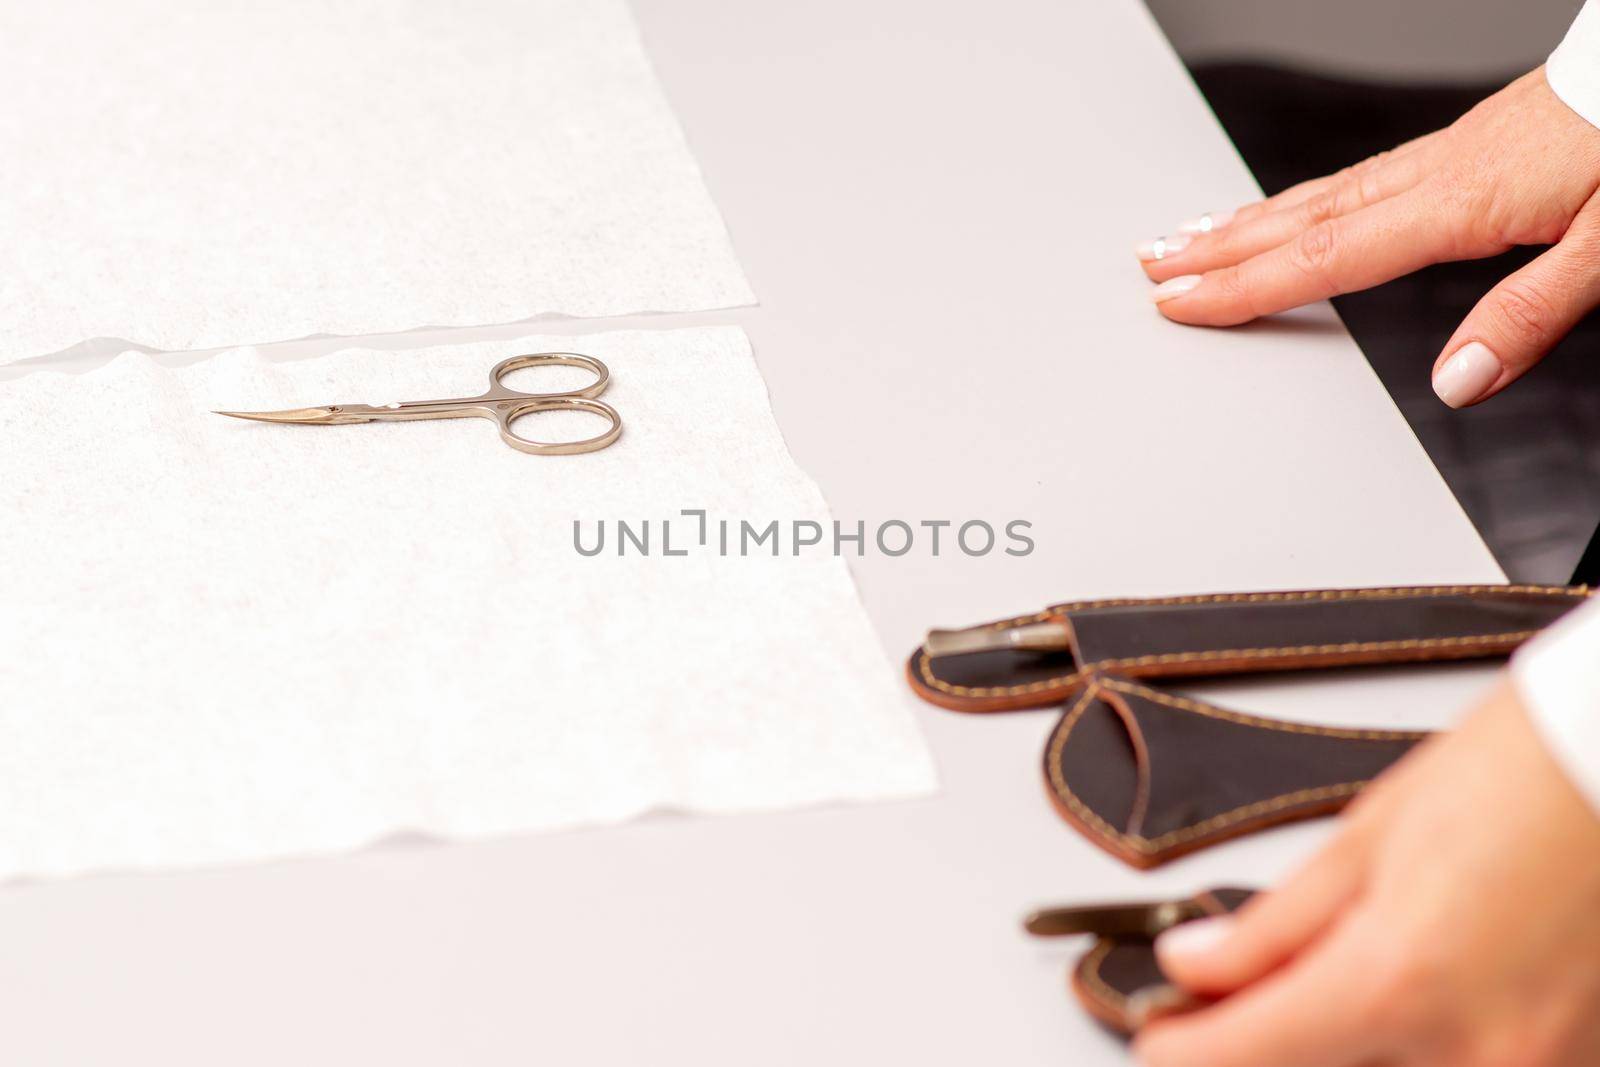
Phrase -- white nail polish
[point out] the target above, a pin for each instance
(1207, 223)
(1197, 938)
(1162, 247)
(1172, 287)
(1467, 374)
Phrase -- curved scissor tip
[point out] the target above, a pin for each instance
(304, 415)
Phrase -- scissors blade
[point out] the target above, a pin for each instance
(1111, 920)
(307, 416)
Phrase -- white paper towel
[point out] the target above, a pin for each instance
(186, 174)
(226, 640)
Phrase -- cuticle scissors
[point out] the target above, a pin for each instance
(500, 404)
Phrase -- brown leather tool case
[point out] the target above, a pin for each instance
(1149, 776)
(1118, 981)
(1042, 659)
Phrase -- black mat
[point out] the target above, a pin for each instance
(1526, 465)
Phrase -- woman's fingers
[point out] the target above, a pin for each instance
(1391, 238)
(1524, 317)
(1304, 190)
(1313, 1014)
(1219, 956)
(1366, 185)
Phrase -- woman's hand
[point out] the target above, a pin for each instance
(1521, 168)
(1455, 922)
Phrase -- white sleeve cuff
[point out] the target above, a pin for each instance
(1573, 70)
(1557, 675)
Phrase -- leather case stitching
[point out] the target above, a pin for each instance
(1211, 711)
(924, 667)
(1141, 761)
(1217, 822)
(1515, 637)
(1089, 966)
(1089, 971)
(924, 661)
(1369, 593)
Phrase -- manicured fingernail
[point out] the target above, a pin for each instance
(1162, 247)
(1211, 220)
(1195, 939)
(1174, 287)
(1467, 374)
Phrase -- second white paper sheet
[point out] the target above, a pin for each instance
(225, 640)
(184, 174)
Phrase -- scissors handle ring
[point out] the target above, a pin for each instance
(602, 374)
(512, 412)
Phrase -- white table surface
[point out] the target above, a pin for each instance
(936, 202)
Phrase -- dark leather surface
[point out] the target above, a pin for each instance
(1525, 468)
(993, 681)
(1115, 970)
(1194, 636)
(1267, 631)
(1150, 776)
